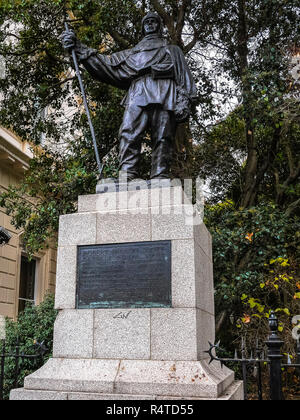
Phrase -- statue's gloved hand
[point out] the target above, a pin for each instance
(68, 39)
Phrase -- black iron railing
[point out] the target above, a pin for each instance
(273, 358)
(258, 358)
(38, 351)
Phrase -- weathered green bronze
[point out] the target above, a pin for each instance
(131, 275)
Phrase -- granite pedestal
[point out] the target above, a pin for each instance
(135, 353)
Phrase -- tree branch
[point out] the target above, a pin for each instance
(20, 54)
(161, 11)
(187, 48)
(119, 39)
(165, 16)
(220, 321)
(292, 207)
(69, 79)
(181, 19)
(290, 158)
(290, 180)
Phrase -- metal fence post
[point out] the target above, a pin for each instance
(259, 375)
(274, 345)
(244, 368)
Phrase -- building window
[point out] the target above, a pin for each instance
(27, 282)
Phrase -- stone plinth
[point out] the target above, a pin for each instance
(135, 353)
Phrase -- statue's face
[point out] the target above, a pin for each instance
(151, 26)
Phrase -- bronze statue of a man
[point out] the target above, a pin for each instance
(160, 89)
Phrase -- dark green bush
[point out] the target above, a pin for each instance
(34, 325)
(256, 270)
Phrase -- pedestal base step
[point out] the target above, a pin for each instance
(233, 393)
(72, 379)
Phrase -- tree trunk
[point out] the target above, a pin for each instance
(248, 193)
(182, 166)
(175, 21)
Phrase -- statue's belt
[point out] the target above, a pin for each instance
(158, 73)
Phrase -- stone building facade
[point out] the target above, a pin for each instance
(21, 280)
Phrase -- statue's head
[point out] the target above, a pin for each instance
(152, 24)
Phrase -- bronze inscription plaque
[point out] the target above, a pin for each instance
(131, 275)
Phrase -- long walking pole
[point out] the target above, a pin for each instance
(78, 73)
